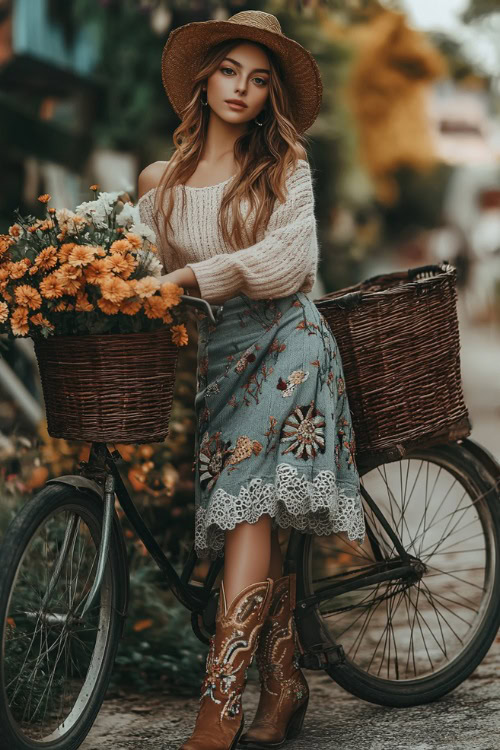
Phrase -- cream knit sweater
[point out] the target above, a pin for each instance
(283, 261)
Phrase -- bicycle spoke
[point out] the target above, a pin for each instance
(47, 649)
(424, 623)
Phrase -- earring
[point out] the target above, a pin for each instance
(204, 102)
(256, 120)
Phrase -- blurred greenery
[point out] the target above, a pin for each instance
(480, 8)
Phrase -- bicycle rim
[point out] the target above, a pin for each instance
(409, 643)
(56, 662)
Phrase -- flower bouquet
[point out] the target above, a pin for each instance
(86, 286)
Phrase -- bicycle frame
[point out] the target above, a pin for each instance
(103, 469)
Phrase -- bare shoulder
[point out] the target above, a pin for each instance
(150, 177)
(303, 153)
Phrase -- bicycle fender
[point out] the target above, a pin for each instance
(81, 483)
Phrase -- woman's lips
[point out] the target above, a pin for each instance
(235, 106)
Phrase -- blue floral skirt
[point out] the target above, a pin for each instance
(274, 432)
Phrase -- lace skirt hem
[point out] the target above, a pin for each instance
(321, 506)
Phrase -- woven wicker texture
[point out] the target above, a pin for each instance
(108, 388)
(398, 337)
(187, 45)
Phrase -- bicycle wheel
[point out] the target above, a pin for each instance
(408, 643)
(55, 665)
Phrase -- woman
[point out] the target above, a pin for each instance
(274, 446)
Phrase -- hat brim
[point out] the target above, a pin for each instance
(187, 45)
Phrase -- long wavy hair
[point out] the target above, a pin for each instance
(264, 155)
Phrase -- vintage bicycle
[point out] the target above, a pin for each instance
(399, 621)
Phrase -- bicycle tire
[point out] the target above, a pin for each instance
(474, 476)
(42, 509)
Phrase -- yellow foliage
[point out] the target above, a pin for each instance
(388, 94)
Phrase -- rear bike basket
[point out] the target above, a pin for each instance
(109, 387)
(398, 337)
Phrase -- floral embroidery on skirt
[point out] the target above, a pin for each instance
(274, 431)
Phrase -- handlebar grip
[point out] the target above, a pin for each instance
(213, 311)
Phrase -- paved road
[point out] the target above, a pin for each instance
(469, 717)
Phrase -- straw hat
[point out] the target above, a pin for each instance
(187, 45)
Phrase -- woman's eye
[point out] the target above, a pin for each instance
(264, 82)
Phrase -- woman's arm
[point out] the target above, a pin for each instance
(185, 278)
(283, 262)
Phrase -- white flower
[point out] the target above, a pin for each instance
(151, 264)
(98, 210)
(144, 231)
(128, 216)
(65, 220)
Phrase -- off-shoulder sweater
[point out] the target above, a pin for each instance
(283, 261)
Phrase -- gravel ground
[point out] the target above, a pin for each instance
(468, 717)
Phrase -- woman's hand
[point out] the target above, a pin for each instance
(183, 277)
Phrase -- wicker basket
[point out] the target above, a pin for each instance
(108, 388)
(399, 340)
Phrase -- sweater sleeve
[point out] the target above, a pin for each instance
(283, 262)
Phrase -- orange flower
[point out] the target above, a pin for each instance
(82, 303)
(147, 286)
(45, 198)
(134, 240)
(62, 305)
(115, 289)
(108, 307)
(4, 273)
(51, 287)
(81, 255)
(131, 306)
(97, 271)
(120, 246)
(4, 312)
(4, 245)
(122, 264)
(19, 321)
(33, 270)
(26, 296)
(179, 335)
(52, 210)
(171, 293)
(65, 251)
(45, 225)
(70, 271)
(39, 320)
(70, 279)
(7, 296)
(167, 318)
(94, 187)
(142, 624)
(17, 270)
(47, 258)
(154, 307)
(15, 230)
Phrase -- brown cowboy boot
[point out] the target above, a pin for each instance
(220, 719)
(284, 691)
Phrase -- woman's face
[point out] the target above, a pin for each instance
(244, 75)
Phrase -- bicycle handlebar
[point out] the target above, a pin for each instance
(213, 311)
